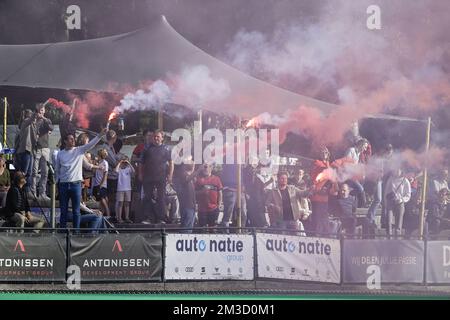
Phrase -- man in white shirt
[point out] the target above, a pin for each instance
(397, 194)
(69, 170)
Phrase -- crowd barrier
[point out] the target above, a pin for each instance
(160, 255)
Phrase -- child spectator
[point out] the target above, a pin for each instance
(125, 171)
(100, 182)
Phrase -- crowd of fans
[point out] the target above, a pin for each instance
(150, 189)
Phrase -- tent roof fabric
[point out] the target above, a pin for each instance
(107, 64)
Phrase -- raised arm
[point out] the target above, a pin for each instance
(92, 143)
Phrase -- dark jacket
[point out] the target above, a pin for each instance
(16, 201)
(43, 127)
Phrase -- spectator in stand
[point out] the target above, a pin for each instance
(388, 170)
(398, 192)
(437, 187)
(209, 197)
(411, 217)
(5, 181)
(283, 205)
(344, 206)
(25, 146)
(173, 205)
(322, 188)
(17, 209)
(354, 154)
(112, 157)
(155, 171)
(69, 170)
(184, 177)
(67, 125)
(138, 192)
(125, 171)
(256, 197)
(229, 180)
(90, 219)
(43, 127)
(101, 182)
(377, 174)
(299, 180)
(88, 166)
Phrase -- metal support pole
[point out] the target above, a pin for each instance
(239, 180)
(5, 120)
(52, 179)
(425, 181)
(53, 208)
(160, 118)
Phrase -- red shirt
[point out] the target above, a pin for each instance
(138, 150)
(207, 191)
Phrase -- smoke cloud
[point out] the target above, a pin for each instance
(193, 87)
(402, 68)
(156, 96)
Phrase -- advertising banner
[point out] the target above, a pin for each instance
(204, 256)
(298, 258)
(438, 262)
(32, 257)
(383, 261)
(118, 257)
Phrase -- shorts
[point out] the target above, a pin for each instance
(100, 193)
(123, 196)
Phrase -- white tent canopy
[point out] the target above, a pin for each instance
(151, 53)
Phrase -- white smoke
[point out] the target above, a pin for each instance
(335, 50)
(196, 86)
(157, 94)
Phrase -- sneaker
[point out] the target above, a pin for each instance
(146, 222)
(128, 221)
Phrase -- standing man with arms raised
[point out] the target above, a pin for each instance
(69, 170)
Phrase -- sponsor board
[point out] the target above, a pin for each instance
(32, 257)
(438, 262)
(399, 261)
(213, 257)
(117, 257)
(298, 258)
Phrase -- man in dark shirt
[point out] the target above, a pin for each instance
(184, 186)
(344, 206)
(17, 209)
(230, 185)
(155, 171)
(136, 204)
